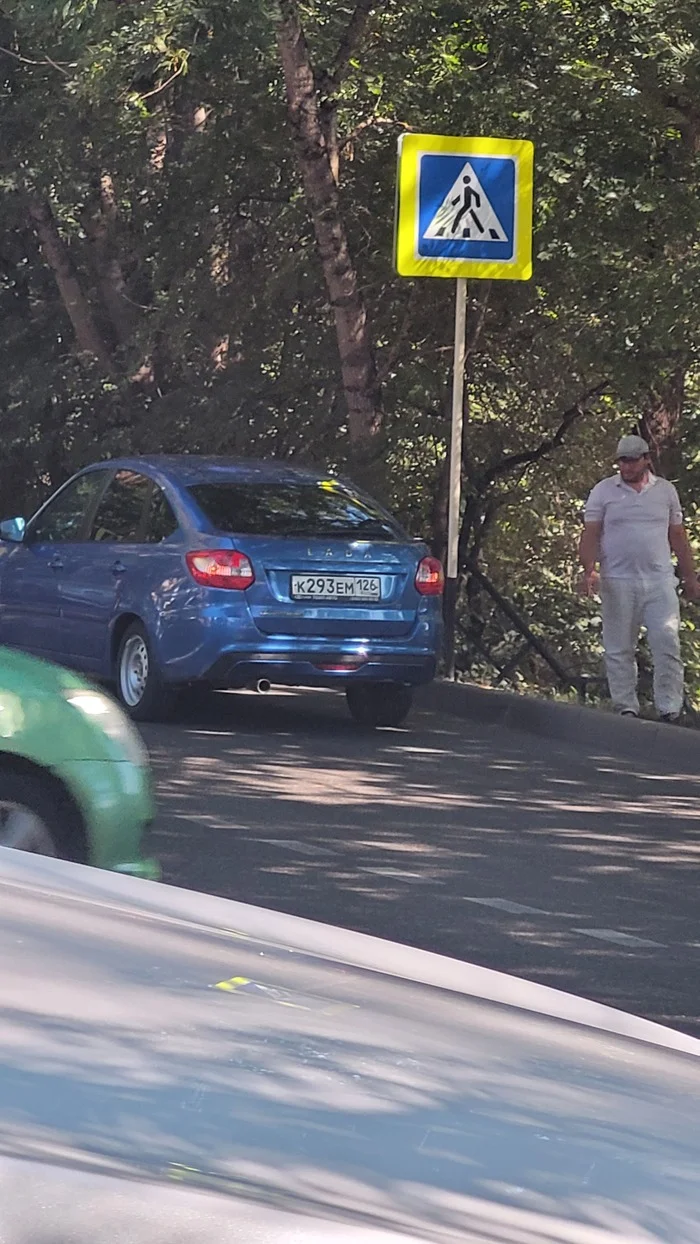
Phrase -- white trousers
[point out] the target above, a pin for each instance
(627, 605)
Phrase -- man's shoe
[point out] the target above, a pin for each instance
(671, 718)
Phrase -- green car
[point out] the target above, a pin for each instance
(74, 774)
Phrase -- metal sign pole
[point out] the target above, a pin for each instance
(455, 494)
(455, 479)
(463, 209)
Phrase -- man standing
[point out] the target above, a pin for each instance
(632, 524)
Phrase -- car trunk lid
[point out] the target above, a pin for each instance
(357, 589)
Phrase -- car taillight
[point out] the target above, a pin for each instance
(221, 568)
(430, 577)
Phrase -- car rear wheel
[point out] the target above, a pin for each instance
(380, 703)
(139, 684)
(27, 814)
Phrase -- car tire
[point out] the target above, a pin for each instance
(139, 685)
(29, 814)
(380, 703)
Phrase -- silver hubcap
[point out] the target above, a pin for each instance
(24, 830)
(133, 671)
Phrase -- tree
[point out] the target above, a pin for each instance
(312, 101)
(195, 248)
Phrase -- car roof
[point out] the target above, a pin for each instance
(202, 468)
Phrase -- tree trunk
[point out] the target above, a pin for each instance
(357, 362)
(660, 422)
(100, 227)
(438, 514)
(87, 334)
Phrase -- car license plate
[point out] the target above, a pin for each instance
(336, 587)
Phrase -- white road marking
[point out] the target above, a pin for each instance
(603, 935)
(504, 904)
(402, 874)
(620, 939)
(292, 844)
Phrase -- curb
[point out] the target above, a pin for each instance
(646, 742)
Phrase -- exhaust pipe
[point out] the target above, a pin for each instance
(262, 686)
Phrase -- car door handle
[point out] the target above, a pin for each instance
(118, 568)
(56, 562)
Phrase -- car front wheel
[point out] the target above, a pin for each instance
(27, 814)
(380, 703)
(139, 685)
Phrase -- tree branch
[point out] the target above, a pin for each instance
(528, 457)
(53, 64)
(78, 309)
(100, 222)
(394, 351)
(370, 123)
(352, 37)
(164, 85)
(678, 103)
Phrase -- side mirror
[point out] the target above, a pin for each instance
(13, 530)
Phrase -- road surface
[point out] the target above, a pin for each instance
(491, 846)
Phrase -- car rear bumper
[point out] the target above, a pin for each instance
(321, 669)
(227, 654)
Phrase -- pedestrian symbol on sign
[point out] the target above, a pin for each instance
(466, 212)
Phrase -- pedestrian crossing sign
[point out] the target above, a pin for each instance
(464, 207)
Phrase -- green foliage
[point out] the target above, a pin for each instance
(225, 341)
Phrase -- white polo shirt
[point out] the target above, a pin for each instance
(634, 539)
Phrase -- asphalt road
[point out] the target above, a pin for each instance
(571, 869)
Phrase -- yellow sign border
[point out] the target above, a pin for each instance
(406, 259)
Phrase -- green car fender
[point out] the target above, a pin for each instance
(52, 719)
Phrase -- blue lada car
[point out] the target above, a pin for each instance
(158, 573)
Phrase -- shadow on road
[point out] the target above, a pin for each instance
(490, 846)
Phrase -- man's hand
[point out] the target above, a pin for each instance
(691, 587)
(589, 556)
(589, 584)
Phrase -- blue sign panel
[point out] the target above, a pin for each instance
(466, 207)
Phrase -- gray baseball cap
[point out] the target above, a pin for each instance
(632, 447)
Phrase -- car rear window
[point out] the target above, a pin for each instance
(321, 509)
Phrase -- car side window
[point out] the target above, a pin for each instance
(120, 514)
(161, 519)
(63, 519)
